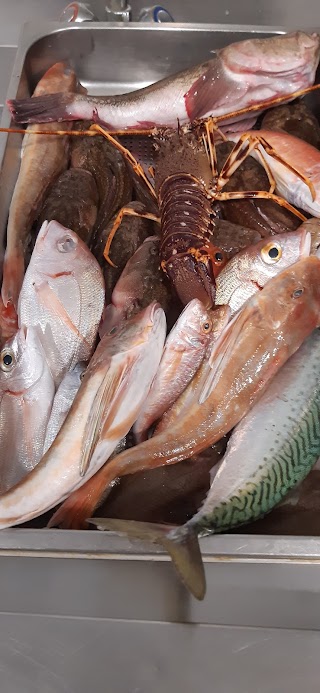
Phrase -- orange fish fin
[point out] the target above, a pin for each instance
(100, 414)
(82, 503)
(222, 351)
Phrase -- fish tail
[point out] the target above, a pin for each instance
(181, 543)
(43, 109)
(13, 273)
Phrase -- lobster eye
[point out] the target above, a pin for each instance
(271, 253)
(7, 360)
(218, 256)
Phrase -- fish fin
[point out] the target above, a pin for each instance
(222, 351)
(82, 503)
(50, 300)
(13, 273)
(42, 109)
(100, 414)
(200, 100)
(181, 543)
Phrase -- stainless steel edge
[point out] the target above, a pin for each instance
(97, 544)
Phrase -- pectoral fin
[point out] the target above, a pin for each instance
(101, 410)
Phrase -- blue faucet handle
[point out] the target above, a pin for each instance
(156, 13)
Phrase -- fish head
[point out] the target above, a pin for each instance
(131, 333)
(265, 259)
(294, 296)
(58, 78)
(22, 362)
(197, 324)
(295, 54)
(58, 250)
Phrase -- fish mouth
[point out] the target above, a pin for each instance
(257, 286)
(305, 244)
(152, 312)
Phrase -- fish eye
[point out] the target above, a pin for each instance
(271, 253)
(297, 293)
(7, 360)
(206, 326)
(219, 256)
(66, 244)
(113, 330)
(82, 375)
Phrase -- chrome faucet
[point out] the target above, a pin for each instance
(118, 11)
(115, 11)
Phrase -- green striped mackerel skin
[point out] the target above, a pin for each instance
(272, 449)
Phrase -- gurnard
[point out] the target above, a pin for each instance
(270, 451)
(242, 74)
(233, 374)
(184, 351)
(186, 347)
(112, 391)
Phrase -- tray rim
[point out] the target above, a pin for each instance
(108, 545)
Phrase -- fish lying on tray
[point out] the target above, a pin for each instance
(148, 316)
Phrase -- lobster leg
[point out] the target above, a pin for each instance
(128, 156)
(124, 211)
(254, 194)
(246, 144)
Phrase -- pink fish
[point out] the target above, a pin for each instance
(239, 75)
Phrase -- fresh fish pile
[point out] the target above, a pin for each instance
(160, 329)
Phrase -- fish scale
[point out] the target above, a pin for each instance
(280, 460)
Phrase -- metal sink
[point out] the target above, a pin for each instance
(89, 609)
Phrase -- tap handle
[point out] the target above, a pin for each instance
(156, 13)
(77, 12)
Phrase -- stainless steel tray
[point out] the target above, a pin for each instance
(100, 577)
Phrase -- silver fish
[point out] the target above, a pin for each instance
(240, 74)
(26, 396)
(112, 391)
(62, 402)
(63, 296)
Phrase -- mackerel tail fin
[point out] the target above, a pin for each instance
(181, 543)
(43, 109)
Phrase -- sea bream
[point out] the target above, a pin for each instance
(26, 396)
(239, 75)
(43, 159)
(108, 401)
(62, 403)
(63, 297)
(250, 270)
